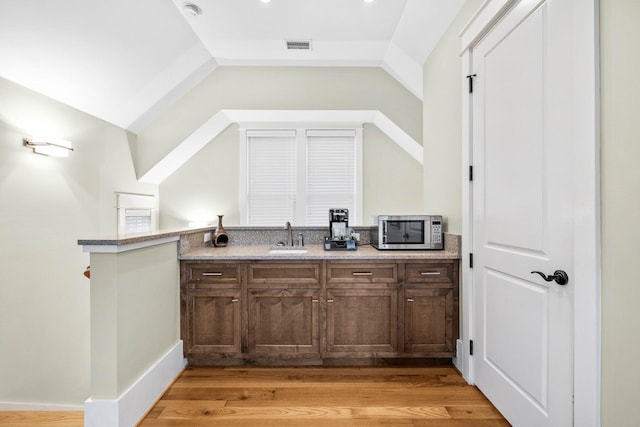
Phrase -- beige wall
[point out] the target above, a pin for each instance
(46, 204)
(207, 184)
(442, 121)
(135, 310)
(620, 193)
(279, 88)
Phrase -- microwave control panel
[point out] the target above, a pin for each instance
(436, 233)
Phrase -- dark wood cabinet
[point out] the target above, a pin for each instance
(319, 311)
(430, 306)
(284, 300)
(362, 320)
(284, 323)
(362, 308)
(428, 321)
(214, 321)
(211, 300)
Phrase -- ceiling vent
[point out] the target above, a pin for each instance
(298, 44)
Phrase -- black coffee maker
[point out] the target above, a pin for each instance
(340, 238)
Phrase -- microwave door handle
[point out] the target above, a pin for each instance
(384, 232)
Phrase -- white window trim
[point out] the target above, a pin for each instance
(130, 204)
(301, 130)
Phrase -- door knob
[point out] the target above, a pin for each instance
(560, 277)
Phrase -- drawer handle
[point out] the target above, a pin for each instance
(212, 274)
(409, 299)
(234, 300)
(363, 273)
(330, 300)
(314, 300)
(430, 273)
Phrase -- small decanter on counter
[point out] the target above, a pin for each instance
(219, 236)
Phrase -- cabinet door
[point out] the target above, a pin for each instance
(213, 318)
(362, 319)
(429, 321)
(284, 321)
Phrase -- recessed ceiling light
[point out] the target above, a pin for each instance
(190, 9)
(368, 1)
(265, 1)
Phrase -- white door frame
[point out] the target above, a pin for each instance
(586, 188)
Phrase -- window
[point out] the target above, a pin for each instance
(299, 174)
(136, 213)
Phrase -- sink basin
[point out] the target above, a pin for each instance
(287, 250)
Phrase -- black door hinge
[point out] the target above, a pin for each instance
(470, 172)
(470, 78)
(470, 347)
(471, 260)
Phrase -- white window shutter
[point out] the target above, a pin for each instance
(271, 177)
(331, 174)
(299, 175)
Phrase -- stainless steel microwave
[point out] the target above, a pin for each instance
(408, 232)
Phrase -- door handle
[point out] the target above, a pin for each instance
(560, 277)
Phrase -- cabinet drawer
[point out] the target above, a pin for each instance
(214, 274)
(428, 272)
(362, 273)
(294, 273)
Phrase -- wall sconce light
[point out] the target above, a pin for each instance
(59, 148)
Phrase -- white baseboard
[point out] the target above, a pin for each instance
(457, 361)
(53, 407)
(131, 405)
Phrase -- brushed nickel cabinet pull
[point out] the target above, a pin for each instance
(234, 299)
(363, 273)
(330, 300)
(409, 299)
(430, 273)
(212, 274)
(314, 300)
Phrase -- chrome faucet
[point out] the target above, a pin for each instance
(287, 227)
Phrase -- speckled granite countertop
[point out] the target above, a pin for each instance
(314, 252)
(127, 239)
(250, 243)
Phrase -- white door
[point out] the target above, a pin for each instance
(523, 215)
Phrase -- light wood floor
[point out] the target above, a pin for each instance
(309, 397)
(323, 397)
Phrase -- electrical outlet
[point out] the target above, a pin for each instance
(207, 237)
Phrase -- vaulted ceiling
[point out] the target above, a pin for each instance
(125, 61)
